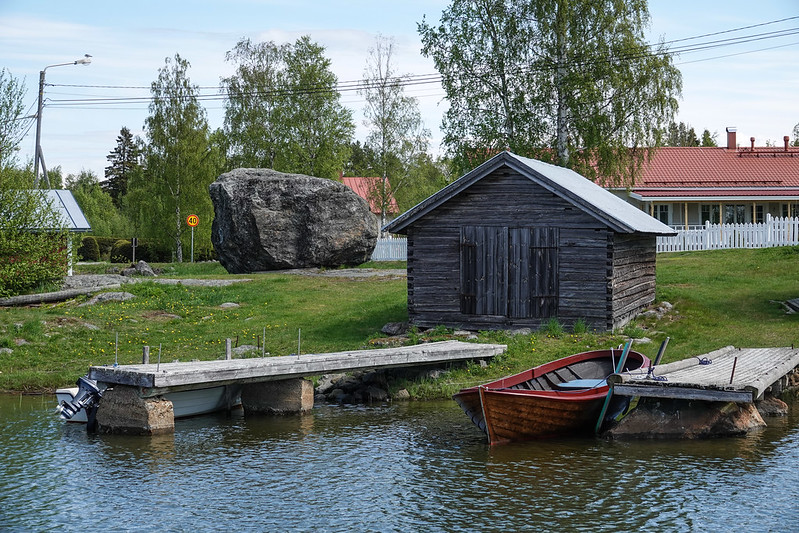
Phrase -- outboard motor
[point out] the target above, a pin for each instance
(88, 398)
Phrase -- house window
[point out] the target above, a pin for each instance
(790, 210)
(710, 213)
(734, 214)
(662, 213)
(758, 214)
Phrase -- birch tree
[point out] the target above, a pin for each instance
(12, 126)
(180, 161)
(397, 135)
(284, 111)
(572, 82)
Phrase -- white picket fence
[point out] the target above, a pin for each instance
(773, 232)
(391, 248)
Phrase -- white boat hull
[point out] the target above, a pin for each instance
(184, 403)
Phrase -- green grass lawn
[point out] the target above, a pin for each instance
(720, 298)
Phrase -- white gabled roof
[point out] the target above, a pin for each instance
(64, 204)
(569, 185)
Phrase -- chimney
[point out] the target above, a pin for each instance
(752, 140)
(731, 145)
(785, 140)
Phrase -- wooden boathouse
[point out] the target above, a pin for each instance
(517, 242)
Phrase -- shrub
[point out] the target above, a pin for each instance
(89, 250)
(29, 259)
(106, 244)
(33, 240)
(204, 254)
(122, 252)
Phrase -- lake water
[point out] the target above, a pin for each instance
(418, 466)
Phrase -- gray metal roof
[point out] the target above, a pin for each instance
(569, 185)
(70, 212)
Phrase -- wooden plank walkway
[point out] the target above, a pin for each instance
(156, 379)
(755, 370)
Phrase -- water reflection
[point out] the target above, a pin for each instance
(418, 466)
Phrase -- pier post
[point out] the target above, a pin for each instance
(285, 396)
(123, 411)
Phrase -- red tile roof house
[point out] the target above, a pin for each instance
(369, 189)
(689, 186)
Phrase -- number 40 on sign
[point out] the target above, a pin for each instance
(192, 220)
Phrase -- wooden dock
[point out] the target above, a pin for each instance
(157, 379)
(729, 374)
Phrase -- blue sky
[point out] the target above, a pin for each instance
(753, 86)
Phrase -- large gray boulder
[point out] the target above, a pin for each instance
(268, 220)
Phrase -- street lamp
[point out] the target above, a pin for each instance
(38, 156)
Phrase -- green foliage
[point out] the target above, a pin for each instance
(124, 161)
(33, 240)
(89, 250)
(106, 244)
(362, 161)
(12, 128)
(273, 120)
(122, 251)
(396, 131)
(574, 83)
(709, 139)
(97, 205)
(181, 162)
(681, 134)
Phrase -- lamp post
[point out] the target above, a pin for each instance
(37, 157)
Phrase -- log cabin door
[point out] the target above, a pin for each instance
(509, 272)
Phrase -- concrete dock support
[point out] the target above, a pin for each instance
(656, 418)
(123, 411)
(280, 397)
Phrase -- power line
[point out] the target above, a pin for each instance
(413, 80)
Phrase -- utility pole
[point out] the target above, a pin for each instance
(38, 156)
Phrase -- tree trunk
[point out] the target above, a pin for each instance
(560, 74)
(178, 226)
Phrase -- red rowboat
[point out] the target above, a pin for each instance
(563, 397)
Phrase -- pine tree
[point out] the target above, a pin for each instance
(124, 160)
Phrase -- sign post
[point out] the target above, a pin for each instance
(192, 221)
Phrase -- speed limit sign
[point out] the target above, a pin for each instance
(192, 220)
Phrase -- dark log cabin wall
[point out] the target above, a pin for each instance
(633, 281)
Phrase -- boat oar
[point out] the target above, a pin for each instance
(658, 357)
(618, 370)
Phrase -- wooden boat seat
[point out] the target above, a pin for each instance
(581, 384)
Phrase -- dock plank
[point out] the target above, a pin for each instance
(156, 379)
(755, 370)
